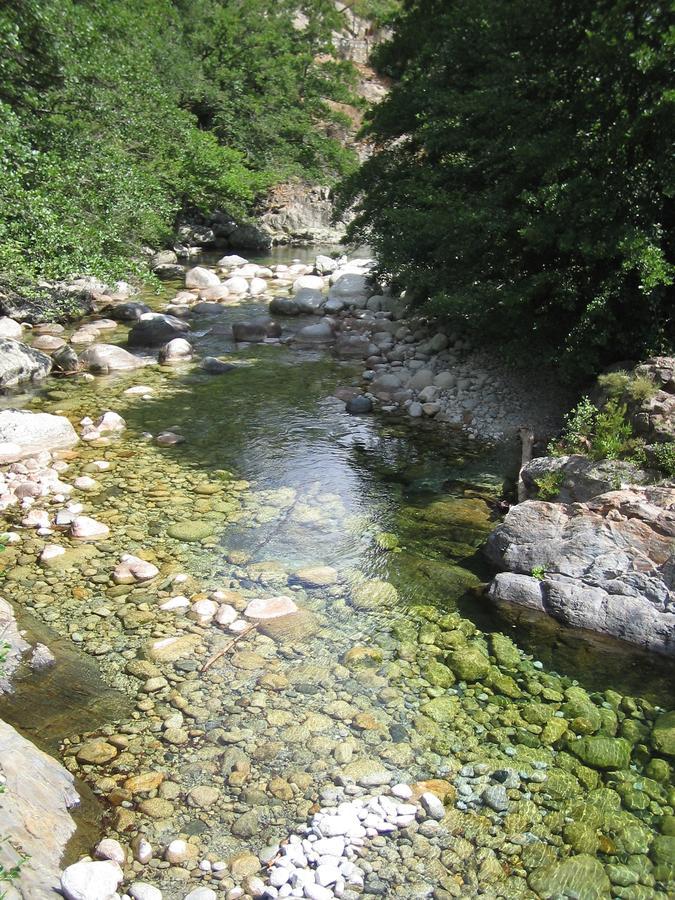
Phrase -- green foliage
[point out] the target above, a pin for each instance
(600, 434)
(663, 455)
(640, 389)
(538, 572)
(117, 117)
(380, 12)
(523, 180)
(614, 384)
(548, 485)
(612, 432)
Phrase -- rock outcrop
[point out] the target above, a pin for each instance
(577, 478)
(607, 565)
(21, 363)
(34, 816)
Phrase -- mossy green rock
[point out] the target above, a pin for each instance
(602, 752)
(439, 675)
(553, 731)
(663, 734)
(190, 531)
(441, 709)
(469, 663)
(581, 837)
(386, 541)
(581, 877)
(504, 651)
(375, 594)
(663, 850)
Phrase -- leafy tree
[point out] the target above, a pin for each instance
(523, 181)
(117, 116)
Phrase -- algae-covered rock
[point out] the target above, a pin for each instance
(581, 837)
(581, 877)
(441, 709)
(602, 752)
(504, 651)
(553, 731)
(438, 675)
(190, 531)
(663, 734)
(375, 594)
(469, 663)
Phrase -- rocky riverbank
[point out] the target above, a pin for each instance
(313, 712)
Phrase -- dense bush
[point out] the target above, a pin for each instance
(523, 181)
(116, 116)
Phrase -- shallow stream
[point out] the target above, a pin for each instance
(394, 668)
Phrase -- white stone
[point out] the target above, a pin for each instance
(232, 260)
(85, 483)
(402, 791)
(91, 880)
(333, 846)
(263, 608)
(175, 603)
(132, 568)
(199, 277)
(226, 614)
(141, 389)
(84, 528)
(313, 282)
(143, 851)
(109, 848)
(318, 892)
(177, 851)
(51, 551)
(202, 893)
(237, 284)
(9, 328)
(257, 286)
(204, 610)
(327, 874)
(140, 890)
(110, 421)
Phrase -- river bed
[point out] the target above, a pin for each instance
(394, 669)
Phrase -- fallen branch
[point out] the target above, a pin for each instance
(216, 656)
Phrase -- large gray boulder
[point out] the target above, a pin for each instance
(127, 312)
(34, 812)
(21, 363)
(576, 478)
(24, 433)
(10, 329)
(607, 565)
(320, 333)
(310, 301)
(101, 359)
(350, 287)
(155, 329)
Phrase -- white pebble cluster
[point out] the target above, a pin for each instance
(320, 863)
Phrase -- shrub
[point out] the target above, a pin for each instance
(641, 388)
(611, 433)
(664, 457)
(614, 383)
(548, 485)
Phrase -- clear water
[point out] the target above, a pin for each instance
(297, 482)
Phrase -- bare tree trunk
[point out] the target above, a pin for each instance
(527, 440)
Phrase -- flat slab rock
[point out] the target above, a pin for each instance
(607, 565)
(34, 812)
(24, 433)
